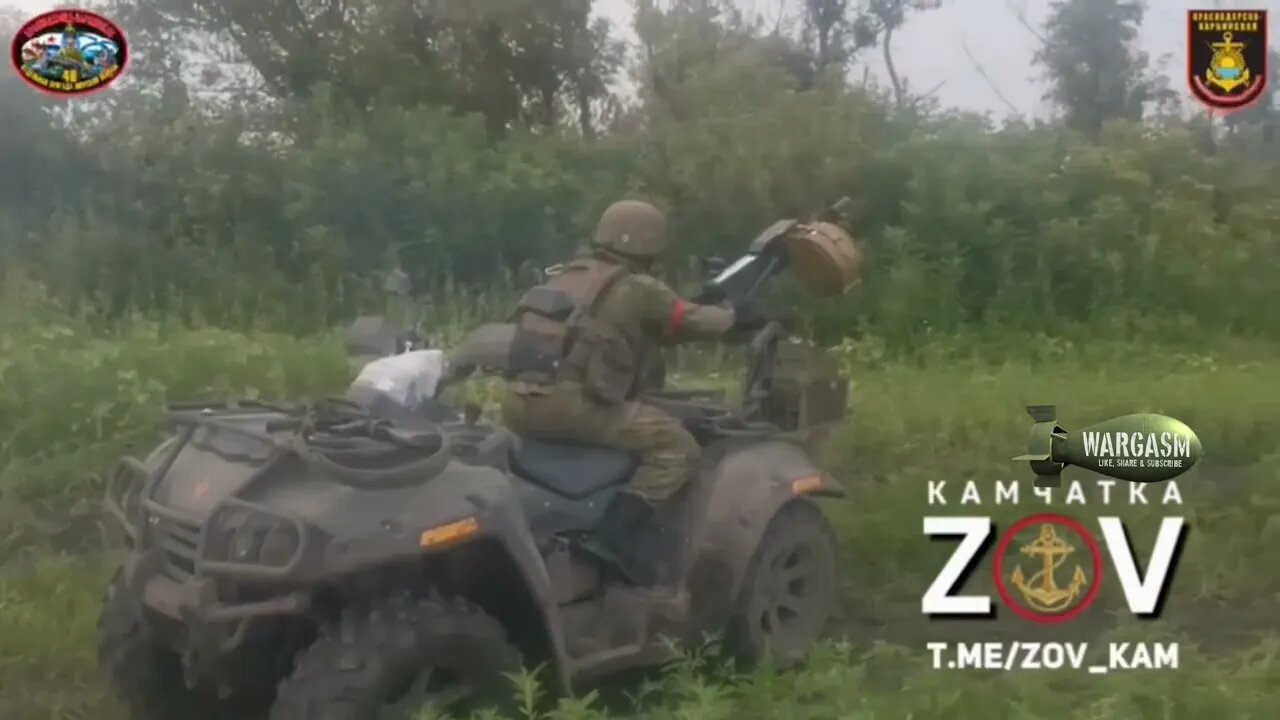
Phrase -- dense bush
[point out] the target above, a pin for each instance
(280, 217)
(1022, 226)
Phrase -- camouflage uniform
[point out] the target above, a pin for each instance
(591, 398)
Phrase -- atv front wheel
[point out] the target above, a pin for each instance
(144, 673)
(790, 588)
(396, 657)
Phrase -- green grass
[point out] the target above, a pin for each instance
(48, 612)
(72, 399)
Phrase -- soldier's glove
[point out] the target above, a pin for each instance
(710, 295)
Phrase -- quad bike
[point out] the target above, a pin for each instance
(331, 564)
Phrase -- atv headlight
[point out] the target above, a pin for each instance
(252, 538)
(246, 544)
(279, 545)
(264, 541)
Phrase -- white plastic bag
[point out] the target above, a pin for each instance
(409, 378)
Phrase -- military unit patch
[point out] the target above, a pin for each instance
(1227, 57)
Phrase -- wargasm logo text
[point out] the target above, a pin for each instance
(69, 52)
(1140, 448)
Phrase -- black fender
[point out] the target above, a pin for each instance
(743, 484)
(463, 509)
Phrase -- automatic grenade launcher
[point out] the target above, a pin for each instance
(821, 254)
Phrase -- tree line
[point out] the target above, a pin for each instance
(265, 161)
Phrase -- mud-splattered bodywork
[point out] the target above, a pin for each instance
(240, 538)
(311, 541)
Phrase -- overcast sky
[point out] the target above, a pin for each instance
(931, 48)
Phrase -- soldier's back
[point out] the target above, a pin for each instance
(633, 303)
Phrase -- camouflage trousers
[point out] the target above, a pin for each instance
(565, 413)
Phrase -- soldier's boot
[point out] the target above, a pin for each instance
(644, 539)
(620, 534)
(663, 546)
(640, 540)
(649, 542)
(613, 540)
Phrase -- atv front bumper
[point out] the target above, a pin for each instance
(197, 597)
(214, 641)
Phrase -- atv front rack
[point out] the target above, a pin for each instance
(130, 485)
(130, 498)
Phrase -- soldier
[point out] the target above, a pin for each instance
(71, 47)
(588, 392)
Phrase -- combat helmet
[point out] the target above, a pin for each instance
(632, 228)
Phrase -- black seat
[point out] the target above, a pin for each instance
(574, 471)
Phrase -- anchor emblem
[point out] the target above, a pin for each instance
(1228, 68)
(1041, 590)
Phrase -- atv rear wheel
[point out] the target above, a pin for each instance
(389, 661)
(789, 590)
(144, 673)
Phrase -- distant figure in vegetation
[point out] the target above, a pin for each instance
(587, 393)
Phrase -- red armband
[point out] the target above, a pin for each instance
(676, 321)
